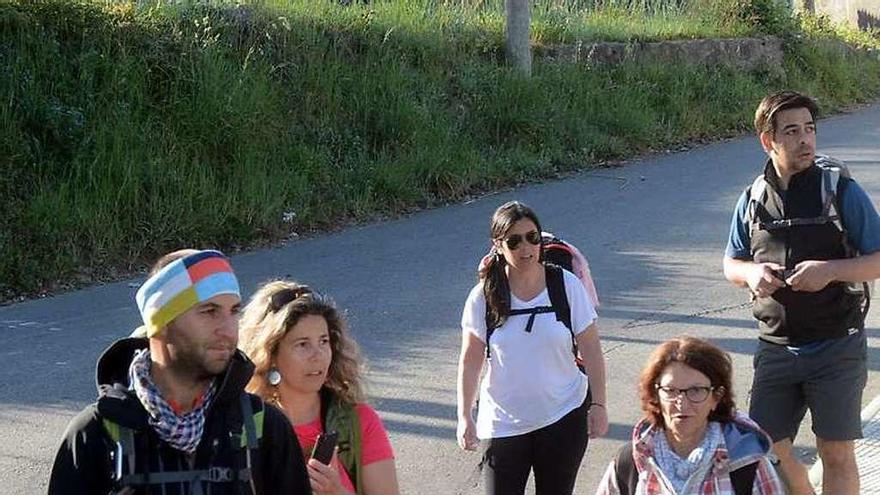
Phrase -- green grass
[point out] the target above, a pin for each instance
(553, 21)
(128, 132)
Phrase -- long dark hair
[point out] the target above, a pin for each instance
(496, 287)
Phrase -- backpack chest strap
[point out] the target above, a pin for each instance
(532, 312)
(788, 223)
(210, 475)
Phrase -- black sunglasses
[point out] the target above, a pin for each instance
(283, 297)
(513, 242)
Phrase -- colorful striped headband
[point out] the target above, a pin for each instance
(181, 285)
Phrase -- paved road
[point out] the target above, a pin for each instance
(653, 230)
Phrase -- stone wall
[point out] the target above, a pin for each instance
(862, 13)
(740, 53)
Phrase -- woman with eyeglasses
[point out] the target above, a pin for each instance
(309, 367)
(691, 440)
(535, 412)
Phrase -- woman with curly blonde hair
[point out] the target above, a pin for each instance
(309, 367)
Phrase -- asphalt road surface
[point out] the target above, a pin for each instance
(654, 232)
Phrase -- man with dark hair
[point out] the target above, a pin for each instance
(805, 239)
(172, 416)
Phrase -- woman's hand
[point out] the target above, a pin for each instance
(467, 434)
(325, 479)
(470, 364)
(594, 362)
(597, 421)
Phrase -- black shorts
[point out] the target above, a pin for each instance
(828, 381)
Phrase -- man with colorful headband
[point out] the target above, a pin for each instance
(172, 416)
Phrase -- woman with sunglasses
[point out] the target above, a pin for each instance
(691, 440)
(309, 367)
(534, 412)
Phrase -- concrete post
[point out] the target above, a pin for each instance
(519, 51)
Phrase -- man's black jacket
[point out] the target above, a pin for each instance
(83, 463)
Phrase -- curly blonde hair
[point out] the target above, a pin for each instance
(276, 308)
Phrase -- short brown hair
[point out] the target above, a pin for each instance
(765, 115)
(698, 354)
(170, 258)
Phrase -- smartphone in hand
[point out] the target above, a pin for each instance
(783, 275)
(324, 447)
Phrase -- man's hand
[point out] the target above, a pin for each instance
(763, 281)
(811, 276)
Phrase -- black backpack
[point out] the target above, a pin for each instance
(742, 479)
(556, 251)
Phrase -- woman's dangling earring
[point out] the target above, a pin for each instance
(274, 377)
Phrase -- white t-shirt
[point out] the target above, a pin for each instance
(532, 380)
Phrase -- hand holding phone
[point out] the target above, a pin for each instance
(324, 447)
(783, 275)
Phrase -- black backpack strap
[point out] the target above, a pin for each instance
(559, 299)
(743, 479)
(532, 312)
(625, 470)
(555, 279)
(490, 328)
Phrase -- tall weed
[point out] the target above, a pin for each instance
(129, 131)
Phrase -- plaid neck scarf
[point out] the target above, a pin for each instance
(181, 432)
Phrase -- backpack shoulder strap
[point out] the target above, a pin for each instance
(625, 470)
(490, 322)
(830, 207)
(490, 328)
(558, 297)
(756, 193)
(252, 421)
(832, 171)
(743, 479)
(124, 453)
(342, 417)
(559, 301)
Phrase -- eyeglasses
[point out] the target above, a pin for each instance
(693, 394)
(283, 297)
(513, 242)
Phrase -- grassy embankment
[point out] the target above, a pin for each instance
(126, 132)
